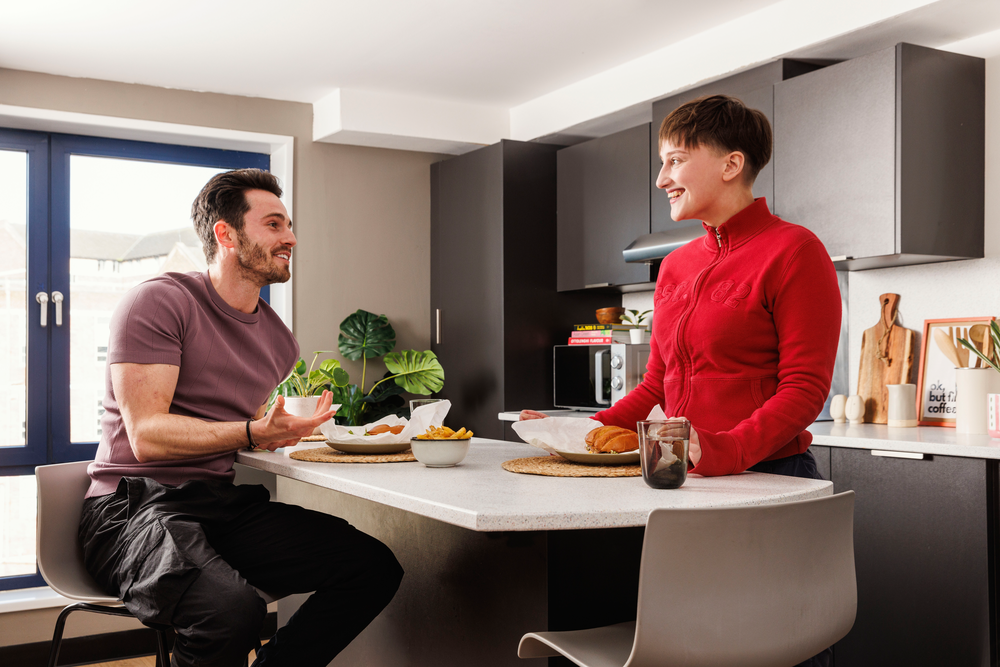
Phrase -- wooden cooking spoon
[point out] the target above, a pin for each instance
(979, 335)
(943, 341)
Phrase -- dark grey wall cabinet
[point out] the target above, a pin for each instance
(755, 88)
(924, 533)
(603, 206)
(495, 312)
(882, 156)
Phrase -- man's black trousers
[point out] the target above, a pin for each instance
(191, 557)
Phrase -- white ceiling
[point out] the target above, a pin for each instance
(465, 72)
(491, 52)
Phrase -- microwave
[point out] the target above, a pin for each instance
(595, 377)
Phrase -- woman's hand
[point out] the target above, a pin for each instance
(531, 414)
(694, 447)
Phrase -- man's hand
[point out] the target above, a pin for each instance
(279, 428)
(531, 414)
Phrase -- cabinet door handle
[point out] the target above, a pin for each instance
(597, 285)
(57, 300)
(898, 455)
(437, 320)
(840, 258)
(43, 300)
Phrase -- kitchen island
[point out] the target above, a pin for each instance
(489, 554)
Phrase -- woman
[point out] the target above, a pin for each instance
(746, 318)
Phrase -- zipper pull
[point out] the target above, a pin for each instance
(718, 237)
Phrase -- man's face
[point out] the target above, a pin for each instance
(264, 245)
(693, 179)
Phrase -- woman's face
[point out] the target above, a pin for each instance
(693, 179)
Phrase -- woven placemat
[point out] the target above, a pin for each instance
(557, 466)
(328, 455)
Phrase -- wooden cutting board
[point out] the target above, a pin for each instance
(886, 358)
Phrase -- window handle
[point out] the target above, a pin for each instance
(43, 299)
(57, 299)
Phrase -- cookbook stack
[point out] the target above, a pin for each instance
(599, 334)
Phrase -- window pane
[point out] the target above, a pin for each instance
(17, 525)
(13, 304)
(129, 221)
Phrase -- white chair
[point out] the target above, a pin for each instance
(61, 490)
(764, 586)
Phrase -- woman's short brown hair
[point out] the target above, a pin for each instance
(723, 123)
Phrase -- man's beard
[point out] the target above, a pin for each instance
(257, 265)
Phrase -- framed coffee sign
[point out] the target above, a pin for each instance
(940, 354)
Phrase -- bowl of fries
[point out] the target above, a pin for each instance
(441, 447)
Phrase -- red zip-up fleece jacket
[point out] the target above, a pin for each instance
(746, 322)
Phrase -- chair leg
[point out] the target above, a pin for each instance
(162, 656)
(58, 633)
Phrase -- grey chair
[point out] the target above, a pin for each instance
(763, 586)
(61, 490)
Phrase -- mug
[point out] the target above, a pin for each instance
(902, 405)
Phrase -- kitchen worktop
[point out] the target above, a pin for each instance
(582, 414)
(480, 495)
(921, 440)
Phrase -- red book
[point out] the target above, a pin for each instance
(593, 340)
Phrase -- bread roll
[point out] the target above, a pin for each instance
(607, 439)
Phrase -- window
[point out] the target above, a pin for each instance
(77, 219)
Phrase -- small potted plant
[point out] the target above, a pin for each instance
(302, 388)
(637, 320)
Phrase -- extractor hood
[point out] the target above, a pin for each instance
(658, 245)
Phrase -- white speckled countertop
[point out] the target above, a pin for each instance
(480, 495)
(922, 439)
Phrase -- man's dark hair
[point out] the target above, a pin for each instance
(723, 123)
(224, 198)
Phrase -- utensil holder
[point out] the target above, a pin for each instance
(972, 386)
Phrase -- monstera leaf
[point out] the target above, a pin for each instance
(329, 373)
(367, 335)
(416, 372)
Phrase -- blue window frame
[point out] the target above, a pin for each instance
(48, 247)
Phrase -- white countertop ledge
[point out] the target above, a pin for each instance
(480, 495)
(939, 440)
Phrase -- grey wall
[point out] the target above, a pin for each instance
(362, 218)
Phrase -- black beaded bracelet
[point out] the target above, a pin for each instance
(252, 446)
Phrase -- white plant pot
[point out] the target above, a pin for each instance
(301, 406)
(636, 335)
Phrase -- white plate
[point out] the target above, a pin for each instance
(376, 448)
(601, 459)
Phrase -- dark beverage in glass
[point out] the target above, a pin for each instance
(663, 451)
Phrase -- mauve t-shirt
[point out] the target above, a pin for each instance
(229, 363)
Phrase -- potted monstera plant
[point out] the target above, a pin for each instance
(364, 336)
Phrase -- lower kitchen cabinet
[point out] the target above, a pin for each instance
(923, 542)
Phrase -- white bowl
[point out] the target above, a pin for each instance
(440, 453)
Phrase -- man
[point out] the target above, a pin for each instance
(192, 360)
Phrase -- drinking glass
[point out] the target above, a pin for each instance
(663, 452)
(417, 402)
